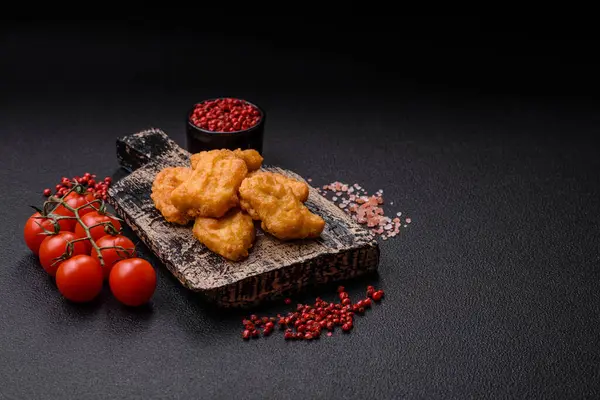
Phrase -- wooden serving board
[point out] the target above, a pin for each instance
(274, 268)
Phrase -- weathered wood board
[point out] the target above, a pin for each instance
(344, 250)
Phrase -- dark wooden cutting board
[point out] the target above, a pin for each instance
(273, 269)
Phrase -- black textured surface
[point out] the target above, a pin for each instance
(492, 292)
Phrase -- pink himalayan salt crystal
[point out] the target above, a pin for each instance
(408, 220)
(365, 209)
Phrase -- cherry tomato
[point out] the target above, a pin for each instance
(132, 281)
(76, 200)
(112, 256)
(55, 246)
(79, 279)
(91, 219)
(34, 230)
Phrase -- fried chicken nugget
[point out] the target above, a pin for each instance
(211, 190)
(230, 236)
(281, 213)
(164, 183)
(300, 190)
(251, 157)
(195, 159)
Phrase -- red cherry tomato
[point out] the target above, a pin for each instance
(94, 218)
(132, 281)
(79, 279)
(76, 200)
(34, 233)
(53, 250)
(112, 256)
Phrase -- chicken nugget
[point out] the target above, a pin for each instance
(280, 211)
(164, 183)
(252, 158)
(300, 190)
(211, 190)
(230, 236)
(195, 159)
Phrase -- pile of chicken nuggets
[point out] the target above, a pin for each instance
(224, 192)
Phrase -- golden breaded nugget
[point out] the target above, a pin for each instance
(230, 236)
(212, 188)
(300, 190)
(252, 158)
(196, 158)
(164, 183)
(281, 213)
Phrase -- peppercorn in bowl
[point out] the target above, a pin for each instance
(225, 123)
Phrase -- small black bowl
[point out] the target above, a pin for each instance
(199, 139)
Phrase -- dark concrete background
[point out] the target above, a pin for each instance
(484, 134)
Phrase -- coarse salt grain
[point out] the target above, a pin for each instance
(364, 208)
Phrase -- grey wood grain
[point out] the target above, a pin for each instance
(274, 268)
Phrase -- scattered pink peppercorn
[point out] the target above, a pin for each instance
(308, 320)
(378, 295)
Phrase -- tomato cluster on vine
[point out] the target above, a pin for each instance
(81, 245)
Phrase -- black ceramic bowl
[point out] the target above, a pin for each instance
(199, 139)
